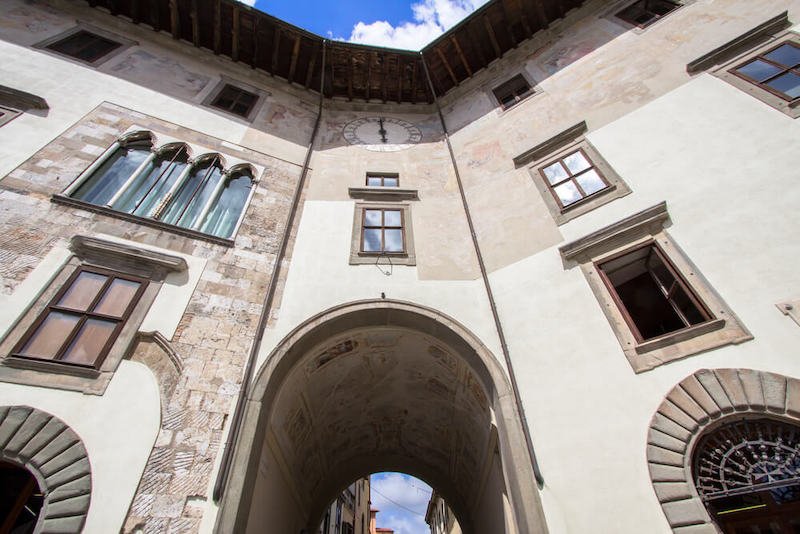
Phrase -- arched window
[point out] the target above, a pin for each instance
(21, 499)
(748, 475)
(164, 185)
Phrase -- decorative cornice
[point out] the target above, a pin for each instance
(383, 193)
(552, 144)
(92, 248)
(21, 100)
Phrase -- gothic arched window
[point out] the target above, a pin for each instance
(748, 475)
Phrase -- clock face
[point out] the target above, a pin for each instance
(382, 134)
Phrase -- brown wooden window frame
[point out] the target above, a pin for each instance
(53, 305)
(51, 45)
(382, 176)
(678, 283)
(90, 39)
(8, 114)
(763, 84)
(572, 178)
(383, 227)
(512, 88)
(655, 17)
(240, 93)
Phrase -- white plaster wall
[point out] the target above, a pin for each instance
(117, 429)
(726, 165)
(321, 277)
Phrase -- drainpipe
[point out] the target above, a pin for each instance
(238, 412)
(498, 326)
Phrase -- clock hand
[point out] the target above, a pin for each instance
(382, 131)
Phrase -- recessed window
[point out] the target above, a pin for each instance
(652, 295)
(235, 100)
(161, 184)
(776, 70)
(513, 91)
(573, 178)
(7, 114)
(79, 326)
(383, 180)
(85, 46)
(645, 12)
(382, 231)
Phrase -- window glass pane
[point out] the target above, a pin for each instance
(109, 177)
(373, 180)
(84, 45)
(221, 220)
(786, 55)
(165, 181)
(555, 173)
(394, 240)
(372, 240)
(567, 193)
(590, 182)
(391, 218)
(200, 199)
(186, 205)
(372, 218)
(390, 182)
(576, 162)
(117, 297)
(89, 342)
(686, 306)
(758, 70)
(788, 84)
(660, 271)
(83, 291)
(51, 334)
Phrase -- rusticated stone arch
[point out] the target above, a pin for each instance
(695, 406)
(55, 455)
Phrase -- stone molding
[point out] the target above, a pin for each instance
(21, 100)
(383, 193)
(103, 252)
(551, 145)
(698, 404)
(55, 455)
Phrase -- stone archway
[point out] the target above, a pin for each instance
(697, 404)
(380, 386)
(55, 455)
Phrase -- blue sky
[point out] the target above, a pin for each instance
(391, 23)
(402, 501)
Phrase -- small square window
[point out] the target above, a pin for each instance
(645, 12)
(81, 323)
(85, 46)
(383, 179)
(573, 178)
(235, 100)
(382, 231)
(513, 91)
(777, 71)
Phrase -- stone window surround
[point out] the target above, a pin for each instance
(88, 251)
(226, 80)
(124, 43)
(558, 146)
(55, 455)
(700, 403)
(9, 114)
(644, 227)
(611, 14)
(357, 257)
(489, 88)
(159, 141)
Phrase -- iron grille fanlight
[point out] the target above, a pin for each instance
(747, 456)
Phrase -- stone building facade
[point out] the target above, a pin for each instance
(442, 263)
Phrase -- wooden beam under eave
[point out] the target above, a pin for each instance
(384, 73)
(195, 23)
(350, 72)
(136, 16)
(540, 12)
(508, 24)
(414, 81)
(523, 17)
(447, 66)
(256, 43)
(464, 61)
(476, 44)
(217, 26)
(368, 88)
(311, 64)
(295, 55)
(235, 35)
(399, 79)
(492, 37)
(112, 7)
(276, 43)
(174, 20)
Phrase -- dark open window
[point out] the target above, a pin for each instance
(776, 71)
(20, 500)
(382, 231)
(375, 179)
(645, 12)
(85, 46)
(653, 297)
(235, 100)
(513, 91)
(81, 323)
(573, 178)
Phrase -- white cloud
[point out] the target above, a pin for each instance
(250, 3)
(431, 19)
(394, 494)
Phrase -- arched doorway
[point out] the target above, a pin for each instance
(380, 386)
(21, 499)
